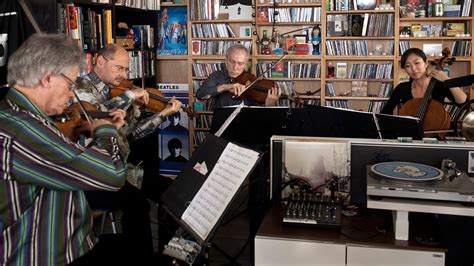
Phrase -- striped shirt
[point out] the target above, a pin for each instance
(44, 216)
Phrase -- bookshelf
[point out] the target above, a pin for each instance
(96, 23)
(369, 61)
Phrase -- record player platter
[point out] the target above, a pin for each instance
(417, 181)
(407, 171)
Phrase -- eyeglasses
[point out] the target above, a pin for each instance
(72, 84)
(118, 68)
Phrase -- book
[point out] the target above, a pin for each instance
(196, 44)
(454, 28)
(412, 8)
(245, 31)
(366, 4)
(341, 70)
(356, 25)
(452, 11)
(290, 45)
(405, 31)
(359, 88)
(262, 14)
(279, 70)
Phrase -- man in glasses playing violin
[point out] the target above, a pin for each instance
(110, 69)
(220, 87)
(44, 217)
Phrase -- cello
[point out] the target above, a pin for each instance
(431, 113)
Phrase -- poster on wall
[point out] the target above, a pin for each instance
(174, 132)
(173, 30)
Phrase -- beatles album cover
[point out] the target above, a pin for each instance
(174, 132)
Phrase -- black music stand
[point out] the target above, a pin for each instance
(392, 127)
(253, 125)
(341, 123)
(183, 190)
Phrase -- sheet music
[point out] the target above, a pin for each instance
(229, 120)
(228, 174)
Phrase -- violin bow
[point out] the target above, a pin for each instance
(265, 72)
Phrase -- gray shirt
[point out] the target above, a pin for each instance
(208, 90)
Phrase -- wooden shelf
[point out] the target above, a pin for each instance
(222, 21)
(444, 38)
(349, 80)
(359, 58)
(359, 11)
(356, 98)
(435, 19)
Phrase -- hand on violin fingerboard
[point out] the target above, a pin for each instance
(273, 96)
(141, 96)
(172, 107)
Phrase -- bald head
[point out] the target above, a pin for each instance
(112, 64)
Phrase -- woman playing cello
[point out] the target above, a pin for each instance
(415, 63)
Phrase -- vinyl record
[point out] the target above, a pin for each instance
(407, 171)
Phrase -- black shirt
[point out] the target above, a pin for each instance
(402, 93)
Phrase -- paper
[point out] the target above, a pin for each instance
(230, 171)
(201, 168)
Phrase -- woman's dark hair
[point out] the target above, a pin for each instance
(407, 53)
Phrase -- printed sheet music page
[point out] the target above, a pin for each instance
(228, 174)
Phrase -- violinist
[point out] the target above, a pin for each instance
(415, 63)
(220, 87)
(44, 219)
(110, 69)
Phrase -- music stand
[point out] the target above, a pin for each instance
(344, 123)
(207, 185)
(392, 127)
(253, 125)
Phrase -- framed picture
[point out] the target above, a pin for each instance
(245, 31)
(300, 38)
(196, 47)
(290, 45)
(172, 38)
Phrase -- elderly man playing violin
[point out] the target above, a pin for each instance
(220, 86)
(110, 69)
(44, 217)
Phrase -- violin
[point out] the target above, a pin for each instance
(71, 122)
(431, 113)
(157, 102)
(257, 88)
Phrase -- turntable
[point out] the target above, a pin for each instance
(417, 181)
(404, 187)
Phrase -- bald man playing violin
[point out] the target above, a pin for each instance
(220, 87)
(111, 67)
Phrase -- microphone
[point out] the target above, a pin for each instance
(459, 82)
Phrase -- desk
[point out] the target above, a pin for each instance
(357, 243)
